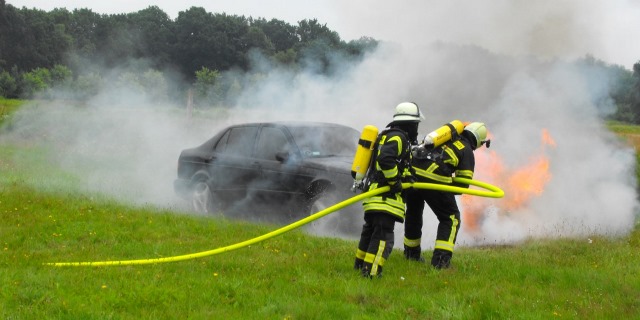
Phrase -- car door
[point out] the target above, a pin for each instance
(281, 179)
(234, 169)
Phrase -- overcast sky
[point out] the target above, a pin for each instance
(608, 30)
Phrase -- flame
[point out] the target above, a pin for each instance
(520, 185)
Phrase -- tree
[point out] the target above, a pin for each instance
(256, 39)
(207, 40)
(310, 31)
(60, 74)
(33, 39)
(35, 82)
(634, 93)
(83, 28)
(364, 44)
(153, 30)
(281, 34)
(205, 85)
(8, 85)
(318, 44)
(155, 85)
(87, 85)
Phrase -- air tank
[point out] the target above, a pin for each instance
(443, 134)
(363, 153)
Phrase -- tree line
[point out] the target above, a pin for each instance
(75, 54)
(40, 50)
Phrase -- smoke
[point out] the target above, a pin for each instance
(509, 65)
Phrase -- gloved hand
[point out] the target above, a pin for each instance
(395, 187)
(409, 179)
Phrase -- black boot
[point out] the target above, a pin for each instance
(441, 259)
(366, 271)
(359, 264)
(413, 253)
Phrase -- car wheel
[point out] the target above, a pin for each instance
(336, 224)
(202, 200)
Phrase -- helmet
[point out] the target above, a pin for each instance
(407, 111)
(479, 131)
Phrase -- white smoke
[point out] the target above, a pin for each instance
(506, 64)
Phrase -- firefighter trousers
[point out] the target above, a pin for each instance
(444, 206)
(376, 242)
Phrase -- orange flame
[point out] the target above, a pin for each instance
(520, 185)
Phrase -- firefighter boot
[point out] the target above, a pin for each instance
(441, 259)
(359, 264)
(413, 253)
(366, 271)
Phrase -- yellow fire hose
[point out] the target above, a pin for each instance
(490, 191)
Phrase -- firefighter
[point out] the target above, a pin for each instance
(437, 165)
(390, 163)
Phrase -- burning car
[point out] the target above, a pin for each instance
(290, 169)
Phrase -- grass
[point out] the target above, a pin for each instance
(45, 218)
(8, 107)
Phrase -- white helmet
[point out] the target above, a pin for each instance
(407, 111)
(479, 131)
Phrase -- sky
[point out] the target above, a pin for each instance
(608, 30)
(503, 63)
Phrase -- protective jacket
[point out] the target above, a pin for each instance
(438, 165)
(392, 163)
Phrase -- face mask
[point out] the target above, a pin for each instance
(413, 133)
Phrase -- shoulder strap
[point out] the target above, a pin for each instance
(454, 133)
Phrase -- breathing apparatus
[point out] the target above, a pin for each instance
(405, 113)
(449, 131)
(362, 158)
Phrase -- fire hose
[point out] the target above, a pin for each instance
(490, 192)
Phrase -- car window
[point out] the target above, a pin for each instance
(240, 141)
(325, 141)
(271, 141)
(222, 143)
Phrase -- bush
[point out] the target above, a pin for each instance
(8, 85)
(35, 82)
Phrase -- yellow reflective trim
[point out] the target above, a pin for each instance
(432, 176)
(369, 257)
(379, 260)
(459, 145)
(449, 245)
(444, 245)
(393, 202)
(464, 174)
(397, 139)
(454, 227)
(412, 242)
(391, 173)
(360, 254)
(386, 208)
(453, 159)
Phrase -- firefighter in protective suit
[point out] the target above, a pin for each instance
(390, 164)
(437, 165)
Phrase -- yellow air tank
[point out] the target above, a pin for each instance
(443, 134)
(363, 153)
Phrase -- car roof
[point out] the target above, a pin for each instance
(296, 124)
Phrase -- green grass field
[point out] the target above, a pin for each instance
(292, 276)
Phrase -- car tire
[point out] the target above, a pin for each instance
(202, 199)
(335, 224)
